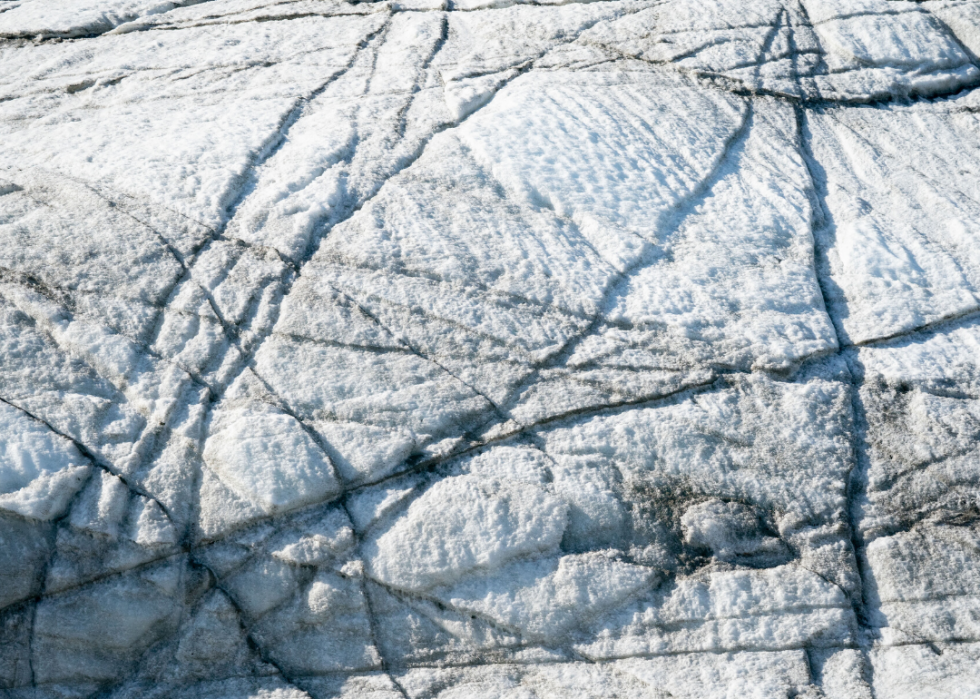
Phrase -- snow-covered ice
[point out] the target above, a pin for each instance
(426, 349)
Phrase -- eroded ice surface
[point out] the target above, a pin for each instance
(489, 349)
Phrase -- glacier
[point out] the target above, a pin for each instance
(444, 349)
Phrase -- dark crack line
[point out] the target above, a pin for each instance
(403, 474)
(449, 7)
(409, 347)
(768, 42)
(811, 668)
(734, 648)
(64, 296)
(245, 627)
(885, 484)
(146, 351)
(857, 486)
(430, 465)
(800, 610)
(508, 299)
(177, 256)
(279, 141)
(215, 306)
(31, 634)
(258, 19)
(29, 282)
(321, 443)
(373, 623)
(93, 458)
(807, 24)
(870, 13)
(173, 74)
(749, 91)
(857, 479)
(173, 552)
(281, 136)
(375, 633)
(436, 48)
(152, 432)
(106, 26)
(924, 519)
(406, 597)
(931, 327)
(739, 86)
(773, 26)
(373, 349)
(820, 216)
(734, 85)
(40, 581)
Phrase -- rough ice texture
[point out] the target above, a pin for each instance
(484, 348)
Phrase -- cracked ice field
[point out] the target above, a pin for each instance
(425, 349)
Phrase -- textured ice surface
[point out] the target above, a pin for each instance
(484, 348)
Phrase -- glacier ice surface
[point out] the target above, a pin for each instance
(489, 348)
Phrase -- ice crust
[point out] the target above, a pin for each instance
(424, 349)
